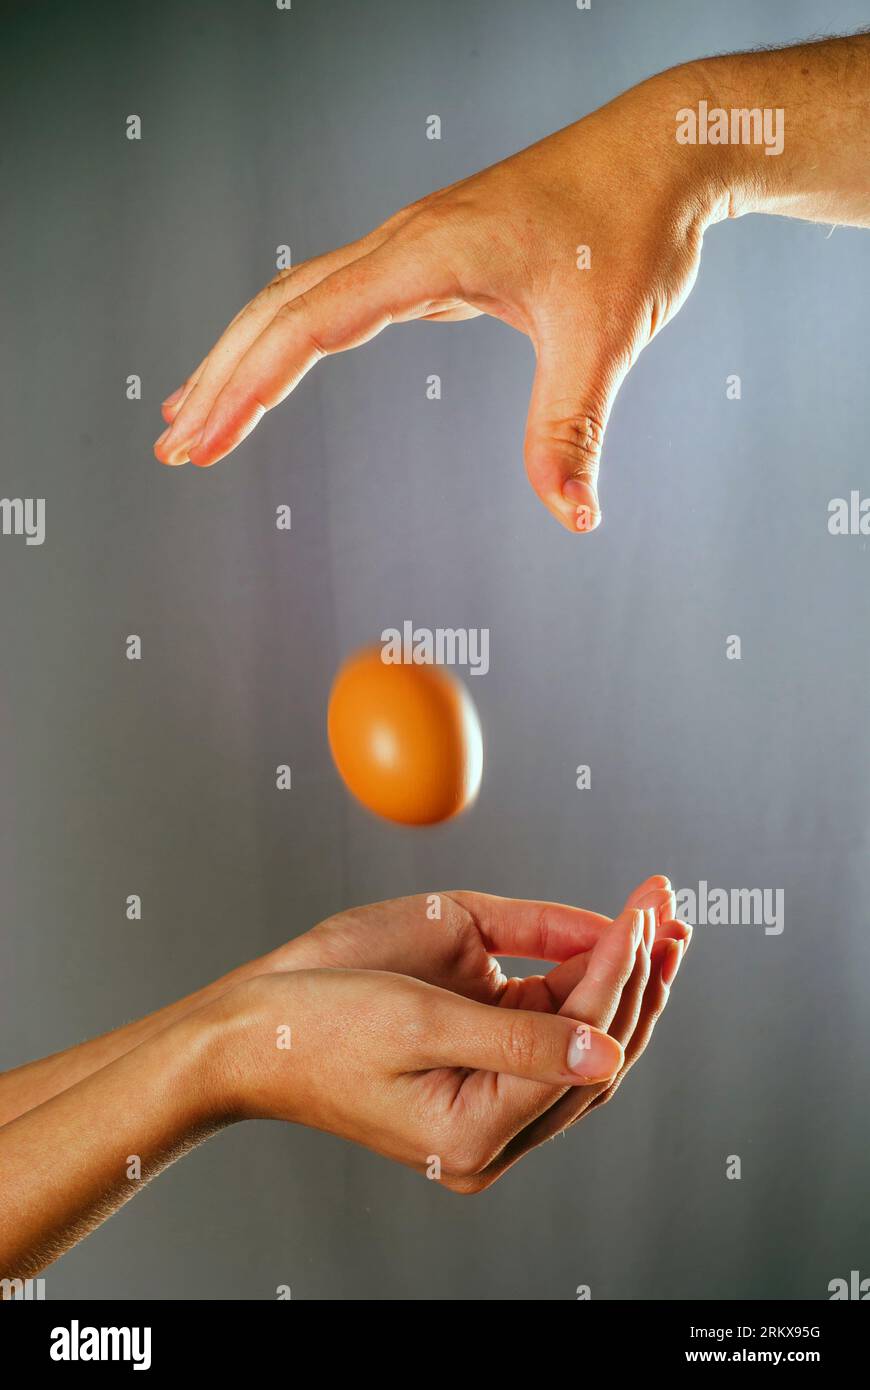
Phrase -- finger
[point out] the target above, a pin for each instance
(546, 931)
(563, 979)
(171, 406)
(548, 993)
(656, 892)
(504, 1105)
(545, 993)
(572, 396)
(661, 901)
(552, 931)
(531, 930)
(197, 396)
(517, 1043)
(309, 273)
(628, 1009)
(665, 964)
(573, 1104)
(190, 403)
(675, 930)
(657, 967)
(173, 403)
(570, 1108)
(529, 992)
(655, 883)
(611, 963)
(396, 282)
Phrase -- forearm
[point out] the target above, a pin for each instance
(817, 100)
(36, 1082)
(71, 1162)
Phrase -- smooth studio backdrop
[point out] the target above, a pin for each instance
(308, 127)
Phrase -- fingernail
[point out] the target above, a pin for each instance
(680, 931)
(170, 400)
(593, 1055)
(172, 431)
(175, 443)
(649, 930)
(639, 927)
(672, 963)
(585, 498)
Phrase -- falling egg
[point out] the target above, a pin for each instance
(405, 738)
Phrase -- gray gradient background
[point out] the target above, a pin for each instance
(157, 778)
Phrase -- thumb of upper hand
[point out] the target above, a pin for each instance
(572, 396)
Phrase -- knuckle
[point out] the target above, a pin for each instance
(416, 1032)
(520, 1046)
(403, 215)
(645, 1037)
(414, 209)
(292, 313)
(290, 309)
(430, 217)
(460, 939)
(580, 435)
(544, 932)
(278, 283)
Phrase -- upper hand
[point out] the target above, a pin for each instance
(506, 242)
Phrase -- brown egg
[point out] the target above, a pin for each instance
(406, 739)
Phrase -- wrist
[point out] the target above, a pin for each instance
(713, 133)
(310, 951)
(206, 1043)
(242, 1040)
(694, 183)
(786, 129)
(298, 954)
(738, 123)
(170, 1082)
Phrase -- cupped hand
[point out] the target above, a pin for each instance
(391, 1062)
(588, 242)
(609, 975)
(455, 940)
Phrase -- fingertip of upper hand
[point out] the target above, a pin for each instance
(206, 452)
(170, 456)
(173, 459)
(174, 397)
